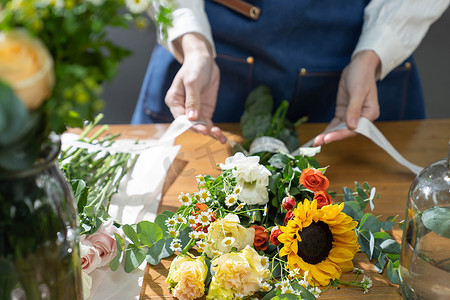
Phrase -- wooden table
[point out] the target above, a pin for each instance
(354, 159)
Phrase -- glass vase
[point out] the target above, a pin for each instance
(39, 250)
(425, 254)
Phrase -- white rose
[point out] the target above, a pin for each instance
(86, 282)
(251, 176)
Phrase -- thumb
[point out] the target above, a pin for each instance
(192, 101)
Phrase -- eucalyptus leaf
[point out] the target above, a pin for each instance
(133, 258)
(115, 262)
(387, 225)
(352, 209)
(390, 246)
(158, 251)
(370, 222)
(348, 194)
(437, 219)
(149, 233)
(131, 234)
(392, 272)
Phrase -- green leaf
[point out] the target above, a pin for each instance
(149, 233)
(133, 258)
(381, 262)
(158, 251)
(392, 272)
(437, 219)
(360, 201)
(348, 194)
(115, 262)
(381, 235)
(289, 297)
(279, 160)
(131, 234)
(120, 241)
(370, 222)
(390, 246)
(304, 293)
(352, 209)
(255, 126)
(80, 192)
(259, 95)
(387, 225)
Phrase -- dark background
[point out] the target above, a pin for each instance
(120, 96)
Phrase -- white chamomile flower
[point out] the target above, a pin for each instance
(237, 190)
(265, 211)
(180, 219)
(191, 220)
(240, 206)
(293, 273)
(230, 200)
(172, 231)
(228, 241)
(205, 195)
(176, 245)
(304, 283)
(366, 283)
(193, 235)
(201, 244)
(357, 270)
(137, 6)
(171, 222)
(238, 296)
(185, 199)
(253, 218)
(216, 253)
(200, 179)
(285, 284)
(265, 287)
(264, 261)
(287, 290)
(201, 235)
(315, 291)
(203, 218)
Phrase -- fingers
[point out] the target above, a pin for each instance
(326, 138)
(192, 89)
(213, 131)
(175, 97)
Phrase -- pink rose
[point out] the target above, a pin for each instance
(90, 258)
(104, 242)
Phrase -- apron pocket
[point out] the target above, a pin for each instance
(234, 87)
(315, 95)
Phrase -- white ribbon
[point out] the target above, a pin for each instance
(365, 127)
(176, 128)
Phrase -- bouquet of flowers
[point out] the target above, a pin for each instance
(267, 224)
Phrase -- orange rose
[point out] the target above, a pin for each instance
(261, 241)
(314, 180)
(322, 198)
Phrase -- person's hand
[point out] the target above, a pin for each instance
(357, 97)
(194, 89)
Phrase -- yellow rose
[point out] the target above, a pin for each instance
(187, 277)
(216, 292)
(27, 66)
(240, 272)
(234, 234)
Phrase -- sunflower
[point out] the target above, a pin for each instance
(321, 241)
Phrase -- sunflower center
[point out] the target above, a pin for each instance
(317, 241)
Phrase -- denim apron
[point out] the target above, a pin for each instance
(298, 48)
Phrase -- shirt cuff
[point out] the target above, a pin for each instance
(386, 45)
(189, 17)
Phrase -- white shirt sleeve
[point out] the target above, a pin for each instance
(189, 16)
(395, 28)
